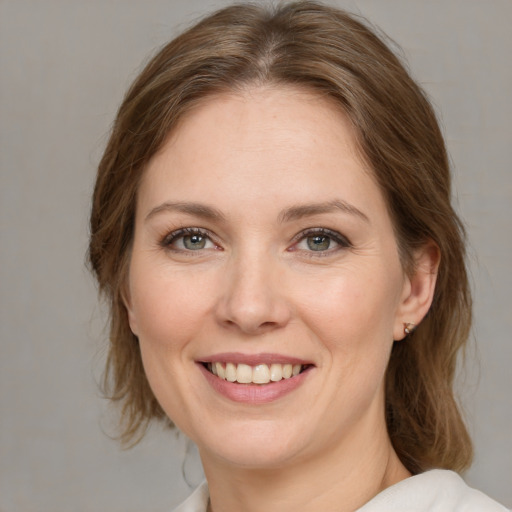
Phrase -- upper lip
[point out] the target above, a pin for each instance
(253, 359)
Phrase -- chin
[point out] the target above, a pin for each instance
(254, 445)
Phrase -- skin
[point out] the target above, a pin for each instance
(257, 287)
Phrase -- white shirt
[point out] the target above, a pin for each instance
(433, 491)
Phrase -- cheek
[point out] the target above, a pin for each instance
(168, 306)
(351, 316)
(351, 306)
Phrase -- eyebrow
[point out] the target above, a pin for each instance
(307, 210)
(196, 209)
(288, 215)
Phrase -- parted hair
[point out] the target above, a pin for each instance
(336, 55)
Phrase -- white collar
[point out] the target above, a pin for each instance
(433, 491)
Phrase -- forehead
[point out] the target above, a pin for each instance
(282, 142)
(269, 115)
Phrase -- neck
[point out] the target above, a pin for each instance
(340, 480)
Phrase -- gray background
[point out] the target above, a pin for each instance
(64, 66)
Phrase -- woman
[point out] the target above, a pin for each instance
(272, 226)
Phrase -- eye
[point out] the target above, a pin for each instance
(194, 242)
(321, 240)
(188, 239)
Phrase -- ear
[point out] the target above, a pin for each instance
(418, 290)
(126, 298)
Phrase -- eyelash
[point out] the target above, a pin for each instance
(342, 241)
(172, 237)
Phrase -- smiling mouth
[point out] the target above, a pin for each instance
(259, 374)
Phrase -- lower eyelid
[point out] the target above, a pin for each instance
(322, 252)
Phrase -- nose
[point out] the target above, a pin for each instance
(253, 298)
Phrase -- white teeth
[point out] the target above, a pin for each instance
(230, 372)
(220, 370)
(244, 374)
(259, 374)
(276, 372)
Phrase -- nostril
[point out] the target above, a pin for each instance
(268, 325)
(251, 328)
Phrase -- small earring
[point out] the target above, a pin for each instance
(409, 328)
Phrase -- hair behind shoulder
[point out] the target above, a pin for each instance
(330, 52)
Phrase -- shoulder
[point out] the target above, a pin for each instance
(432, 491)
(196, 502)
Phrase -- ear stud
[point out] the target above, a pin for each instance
(409, 328)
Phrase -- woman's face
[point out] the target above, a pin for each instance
(262, 247)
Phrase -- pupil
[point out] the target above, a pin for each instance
(194, 242)
(319, 243)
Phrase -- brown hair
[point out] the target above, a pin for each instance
(326, 50)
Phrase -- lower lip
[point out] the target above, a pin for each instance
(254, 393)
